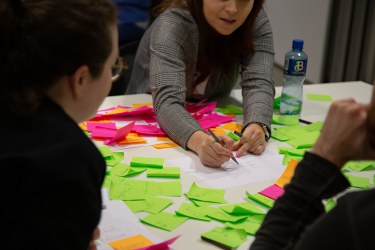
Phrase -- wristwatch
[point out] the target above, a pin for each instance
(265, 129)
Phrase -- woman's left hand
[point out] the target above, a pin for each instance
(253, 140)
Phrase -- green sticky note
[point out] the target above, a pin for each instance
(135, 171)
(292, 151)
(167, 172)
(305, 141)
(128, 190)
(278, 135)
(227, 237)
(170, 188)
(249, 226)
(292, 132)
(151, 205)
(192, 211)
(360, 165)
(206, 194)
(105, 151)
(276, 103)
(285, 119)
(220, 215)
(319, 97)
(315, 126)
(114, 159)
(261, 199)
(256, 218)
(202, 203)
(120, 169)
(329, 205)
(147, 162)
(230, 109)
(109, 179)
(164, 220)
(288, 157)
(243, 208)
(233, 136)
(358, 182)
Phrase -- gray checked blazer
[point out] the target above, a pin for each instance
(165, 66)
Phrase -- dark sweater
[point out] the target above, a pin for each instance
(298, 220)
(51, 181)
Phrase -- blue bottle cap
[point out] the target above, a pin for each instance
(297, 44)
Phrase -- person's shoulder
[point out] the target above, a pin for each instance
(176, 16)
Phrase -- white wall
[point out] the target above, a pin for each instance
(301, 19)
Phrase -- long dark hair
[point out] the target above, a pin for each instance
(217, 51)
(43, 40)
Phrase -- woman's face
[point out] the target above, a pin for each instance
(225, 16)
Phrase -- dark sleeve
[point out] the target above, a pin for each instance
(301, 205)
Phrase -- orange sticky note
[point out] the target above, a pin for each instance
(165, 145)
(132, 138)
(288, 173)
(163, 138)
(83, 126)
(137, 105)
(232, 126)
(218, 131)
(134, 242)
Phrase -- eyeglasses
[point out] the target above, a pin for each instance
(119, 66)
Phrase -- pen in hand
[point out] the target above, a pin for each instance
(217, 140)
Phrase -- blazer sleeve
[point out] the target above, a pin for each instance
(173, 40)
(256, 75)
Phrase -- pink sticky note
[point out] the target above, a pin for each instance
(272, 192)
(99, 132)
(133, 111)
(121, 133)
(92, 125)
(148, 130)
(160, 246)
(214, 120)
(202, 109)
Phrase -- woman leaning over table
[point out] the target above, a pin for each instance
(198, 49)
(57, 62)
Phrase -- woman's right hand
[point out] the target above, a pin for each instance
(210, 152)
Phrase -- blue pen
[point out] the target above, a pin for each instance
(217, 140)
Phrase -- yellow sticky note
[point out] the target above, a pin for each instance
(288, 173)
(165, 145)
(134, 242)
(232, 126)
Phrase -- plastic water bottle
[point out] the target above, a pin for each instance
(294, 77)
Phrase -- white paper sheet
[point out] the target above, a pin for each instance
(252, 169)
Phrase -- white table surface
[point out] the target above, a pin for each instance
(191, 230)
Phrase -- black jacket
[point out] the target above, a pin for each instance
(51, 181)
(298, 219)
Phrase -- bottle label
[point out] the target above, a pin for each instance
(295, 67)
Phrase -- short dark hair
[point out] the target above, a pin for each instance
(43, 40)
(231, 47)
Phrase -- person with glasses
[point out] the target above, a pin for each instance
(58, 59)
(198, 49)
